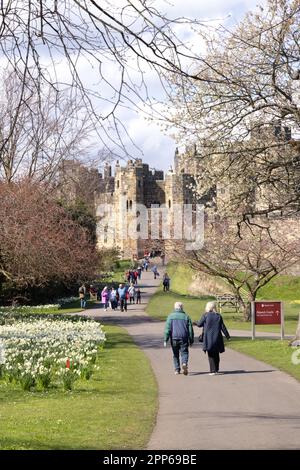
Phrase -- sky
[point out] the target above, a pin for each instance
(152, 145)
(142, 138)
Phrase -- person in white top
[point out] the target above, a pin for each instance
(131, 292)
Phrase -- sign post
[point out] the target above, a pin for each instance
(266, 312)
(253, 319)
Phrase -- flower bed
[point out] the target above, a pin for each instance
(37, 352)
(39, 308)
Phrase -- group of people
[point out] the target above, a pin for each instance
(132, 275)
(112, 297)
(179, 330)
(119, 297)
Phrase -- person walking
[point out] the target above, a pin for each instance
(131, 292)
(155, 271)
(122, 291)
(179, 330)
(138, 295)
(113, 299)
(166, 282)
(105, 297)
(82, 295)
(213, 344)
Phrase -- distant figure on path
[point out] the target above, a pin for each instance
(123, 291)
(213, 344)
(82, 295)
(155, 271)
(105, 294)
(166, 282)
(179, 330)
(138, 295)
(131, 292)
(139, 270)
(113, 299)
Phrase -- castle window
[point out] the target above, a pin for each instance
(105, 233)
(138, 213)
(139, 183)
(186, 201)
(118, 183)
(169, 203)
(127, 205)
(130, 205)
(138, 227)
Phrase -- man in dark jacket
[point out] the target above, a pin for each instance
(179, 330)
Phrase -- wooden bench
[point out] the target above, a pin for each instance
(227, 300)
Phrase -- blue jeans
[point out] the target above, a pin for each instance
(181, 347)
(83, 303)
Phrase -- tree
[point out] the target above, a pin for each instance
(64, 42)
(80, 213)
(240, 115)
(40, 131)
(39, 242)
(247, 261)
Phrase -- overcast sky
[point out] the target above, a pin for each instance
(158, 149)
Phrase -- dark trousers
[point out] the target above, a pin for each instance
(180, 347)
(123, 304)
(214, 361)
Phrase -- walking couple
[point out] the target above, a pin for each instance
(179, 329)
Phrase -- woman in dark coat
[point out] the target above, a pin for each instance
(213, 343)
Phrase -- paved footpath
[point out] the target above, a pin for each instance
(250, 406)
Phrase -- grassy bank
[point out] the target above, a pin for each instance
(162, 303)
(115, 409)
(286, 288)
(274, 352)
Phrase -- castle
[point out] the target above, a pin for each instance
(128, 198)
(135, 206)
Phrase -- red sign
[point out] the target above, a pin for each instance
(267, 313)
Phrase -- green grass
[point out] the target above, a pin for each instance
(118, 272)
(162, 303)
(181, 277)
(72, 307)
(286, 288)
(283, 288)
(115, 409)
(274, 352)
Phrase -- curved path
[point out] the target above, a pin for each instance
(250, 406)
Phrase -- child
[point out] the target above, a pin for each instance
(138, 295)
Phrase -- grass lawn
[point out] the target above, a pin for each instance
(117, 276)
(274, 352)
(115, 409)
(286, 288)
(162, 303)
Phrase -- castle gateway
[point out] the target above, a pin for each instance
(138, 209)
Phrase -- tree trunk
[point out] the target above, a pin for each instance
(245, 307)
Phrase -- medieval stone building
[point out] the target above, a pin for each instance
(135, 207)
(139, 209)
